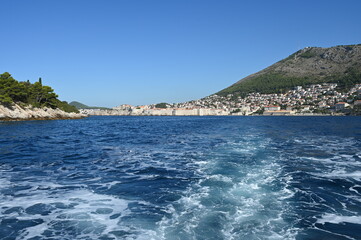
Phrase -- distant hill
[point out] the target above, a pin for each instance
(311, 65)
(79, 105)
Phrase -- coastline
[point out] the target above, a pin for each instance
(28, 113)
(37, 119)
(230, 115)
(137, 111)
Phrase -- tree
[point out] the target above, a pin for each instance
(12, 91)
(161, 105)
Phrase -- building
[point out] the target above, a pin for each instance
(123, 107)
(272, 108)
(341, 105)
(278, 113)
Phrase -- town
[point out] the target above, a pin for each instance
(317, 99)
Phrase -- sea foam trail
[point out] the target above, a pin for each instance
(181, 178)
(240, 196)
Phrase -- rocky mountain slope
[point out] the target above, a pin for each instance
(340, 64)
(17, 113)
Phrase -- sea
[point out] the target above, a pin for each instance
(180, 178)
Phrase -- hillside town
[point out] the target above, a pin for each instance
(317, 99)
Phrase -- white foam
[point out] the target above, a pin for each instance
(342, 174)
(354, 190)
(221, 178)
(337, 219)
(241, 202)
(109, 185)
(336, 160)
(84, 206)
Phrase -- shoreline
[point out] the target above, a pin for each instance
(7, 119)
(293, 115)
(28, 113)
(198, 112)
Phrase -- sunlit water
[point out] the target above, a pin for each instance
(181, 178)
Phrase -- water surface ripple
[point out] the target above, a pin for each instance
(181, 178)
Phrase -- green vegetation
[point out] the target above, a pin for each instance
(266, 83)
(305, 67)
(308, 54)
(280, 83)
(351, 77)
(26, 93)
(236, 110)
(161, 105)
(79, 105)
(259, 111)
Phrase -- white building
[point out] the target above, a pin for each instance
(272, 108)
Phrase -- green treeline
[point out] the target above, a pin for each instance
(272, 82)
(161, 105)
(35, 94)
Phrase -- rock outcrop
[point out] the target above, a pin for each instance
(18, 113)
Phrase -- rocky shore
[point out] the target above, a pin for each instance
(18, 113)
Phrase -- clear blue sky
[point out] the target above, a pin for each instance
(111, 52)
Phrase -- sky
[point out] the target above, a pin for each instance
(112, 52)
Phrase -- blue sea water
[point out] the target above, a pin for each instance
(181, 178)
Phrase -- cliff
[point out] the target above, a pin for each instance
(19, 113)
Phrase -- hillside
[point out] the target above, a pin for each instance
(311, 65)
(79, 105)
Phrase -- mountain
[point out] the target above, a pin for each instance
(79, 105)
(311, 65)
